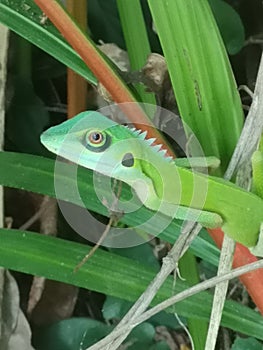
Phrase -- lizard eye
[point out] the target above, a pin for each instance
(97, 141)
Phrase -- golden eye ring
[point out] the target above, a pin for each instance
(97, 140)
(95, 137)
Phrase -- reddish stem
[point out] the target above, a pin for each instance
(253, 281)
(77, 85)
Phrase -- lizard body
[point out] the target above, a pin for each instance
(95, 142)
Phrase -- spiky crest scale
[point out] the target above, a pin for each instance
(150, 142)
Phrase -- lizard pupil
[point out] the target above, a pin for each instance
(95, 137)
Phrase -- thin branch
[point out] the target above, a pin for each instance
(252, 130)
(225, 265)
(3, 58)
(246, 145)
(200, 287)
(34, 218)
(168, 266)
(113, 220)
(98, 244)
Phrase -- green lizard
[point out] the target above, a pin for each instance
(95, 142)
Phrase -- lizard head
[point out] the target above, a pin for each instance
(96, 142)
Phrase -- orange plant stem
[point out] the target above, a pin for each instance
(76, 85)
(253, 281)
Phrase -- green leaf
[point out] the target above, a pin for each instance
(189, 271)
(141, 337)
(105, 28)
(136, 40)
(71, 334)
(55, 259)
(37, 175)
(135, 33)
(142, 253)
(201, 75)
(26, 105)
(80, 333)
(230, 25)
(245, 344)
(115, 308)
(25, 18)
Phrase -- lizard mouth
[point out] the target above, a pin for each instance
(47, 142)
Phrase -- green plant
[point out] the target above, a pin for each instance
(211, 98)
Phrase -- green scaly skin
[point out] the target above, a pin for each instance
(97, 143)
